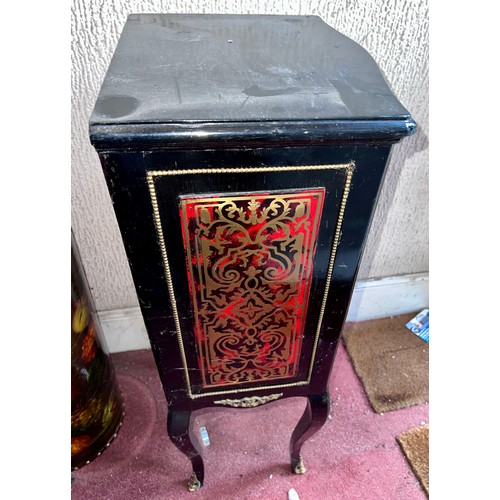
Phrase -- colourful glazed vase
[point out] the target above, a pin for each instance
(96, 403)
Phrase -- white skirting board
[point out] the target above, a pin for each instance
(124, 329)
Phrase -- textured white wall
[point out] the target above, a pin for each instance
(395, 32)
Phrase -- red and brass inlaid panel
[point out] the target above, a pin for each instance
(249, 263)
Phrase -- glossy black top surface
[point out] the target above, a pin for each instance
(176, 68)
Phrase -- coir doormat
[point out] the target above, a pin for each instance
(391, 361)
(415, 446)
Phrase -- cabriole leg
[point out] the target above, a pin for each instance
(312, 420)
(181, 435)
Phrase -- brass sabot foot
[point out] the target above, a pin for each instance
(299, 468)
(193, 483)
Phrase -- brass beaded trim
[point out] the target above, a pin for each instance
(329, 272)
(252, 170)
(168, 276)
(349, 167)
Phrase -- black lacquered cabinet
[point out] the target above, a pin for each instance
(243, 156)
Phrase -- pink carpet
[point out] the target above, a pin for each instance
(354, 456)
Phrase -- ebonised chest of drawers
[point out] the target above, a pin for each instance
(243, 156)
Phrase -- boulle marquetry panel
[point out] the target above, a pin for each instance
(249, 263)
(244, 181)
